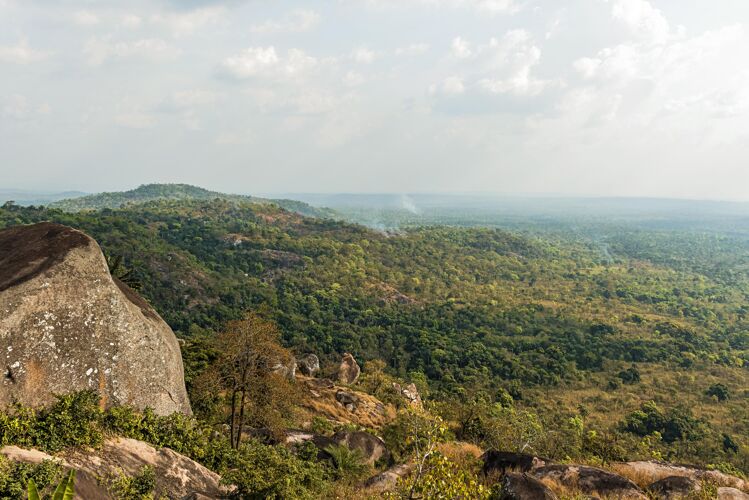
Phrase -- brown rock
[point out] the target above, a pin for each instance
(410, 393)
(66, 325)
(309, 364)
(498, 463)
(591, 480)
(176, 475)
(349, 371)
(725, 493)
(387, 480)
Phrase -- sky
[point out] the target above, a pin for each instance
(582, 97)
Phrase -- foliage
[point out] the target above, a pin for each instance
(719, 391)
(267, 472)
(16, 476)
(137, 487)
(442, 479)
(64, 491)
(675, 424)
(348, 464)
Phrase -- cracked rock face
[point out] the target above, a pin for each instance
(67, 325)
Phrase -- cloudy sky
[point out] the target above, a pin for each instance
(583, 97)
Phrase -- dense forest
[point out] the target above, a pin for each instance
(632, 331)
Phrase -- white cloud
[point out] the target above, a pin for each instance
(452, 85)
(298, 21)
(414, 49)
(100, 50)
(353, 79)
(132, 21)
(187, 22)
(461, 48)
(643, 19)
(21, 53)
(265, 62)
(136, 119)
(482, 6)
(364, 55)
(85, 18)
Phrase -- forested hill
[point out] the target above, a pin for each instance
(553, 321)
(154, 192)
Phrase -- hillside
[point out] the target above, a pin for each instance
(643, 347)
(154, 192)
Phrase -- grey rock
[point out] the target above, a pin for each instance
(349, 371)
(387, 480)
(498, 463)
(521, 486)
(410, 393)
(67, 325)
(370, 446)
(675, 487)
(725, 493)
(591, 480)
(309, 364)
(348, 399)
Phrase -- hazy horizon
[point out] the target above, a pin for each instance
(595, 98)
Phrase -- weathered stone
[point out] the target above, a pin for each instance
(410, 393)
(726, 493)
(387, 480)
(675, 487)
(498, 463)
(176, 475)
(370, 446)
(286, 369)
(652, 471)
(67, 325)
(348, 399)
(309, 364)
(591, 480)
(349, 371)
(521, 486)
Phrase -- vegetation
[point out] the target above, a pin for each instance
(598, 344)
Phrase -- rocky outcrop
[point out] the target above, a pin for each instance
(371, 447)
(498, 463)
(67, 325)
(309, 364)
(349, 400)
(591, 481)
(653, 471)
(521, 486)
(176, 475)
(349, 371)
(675, 488)
(726, 493)
(410, 393)
(388, 480)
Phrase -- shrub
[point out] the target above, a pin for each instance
(348, 464)
(15, 476)
(720, 391)
(138, 487)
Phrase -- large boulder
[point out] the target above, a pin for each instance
(388, 480)
(726, 493)
(371, 447)
(652, 471)
(410, 393)
(521, 486)
(498, 463)
(66, 325)
(309, 364)
(591, 481)
(348, 371)
(675, 488)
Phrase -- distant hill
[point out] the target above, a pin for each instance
(26, 198)
(154, 192)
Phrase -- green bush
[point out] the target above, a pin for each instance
(15, 476)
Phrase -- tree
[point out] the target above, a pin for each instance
(250, 355)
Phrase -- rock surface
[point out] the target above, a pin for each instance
(410, 393)
(521, 486)
(725, 493)
(67, 325)
(349, 400)
(176, 475)
(591, 481)
(370, 446)
(309, 364)
(498, 463)
(387, 480)
(675, 487)
(349, 371)
(653, 471)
